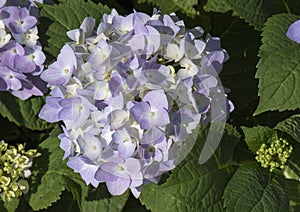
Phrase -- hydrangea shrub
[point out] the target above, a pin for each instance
(124, 109)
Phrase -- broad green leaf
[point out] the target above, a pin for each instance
(9, 206)
(253, 189)
(249, 10)
(288, 173)
(292, 170)
(256, 12)
(216, 6)
(191, 186)
(293, 187)
(22, 113)
(278, 68)
(290, 126)
(66, 16)
(185, 6)
(51, 170)
(256, 136)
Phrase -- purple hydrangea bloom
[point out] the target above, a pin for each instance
(152, 111)
(60, 72)
(120, 174)
(86, 168)
(20, 20)
(20, 51)
(129, 95)
(10, 80)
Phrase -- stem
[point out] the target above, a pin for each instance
(286, 6)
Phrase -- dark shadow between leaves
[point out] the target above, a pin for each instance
(98, 193)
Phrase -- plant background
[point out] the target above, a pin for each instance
(263, 74)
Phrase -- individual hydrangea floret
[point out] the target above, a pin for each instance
(130, 93)
(274, 155)
(293, 32)
(21, 55)
(15, 163)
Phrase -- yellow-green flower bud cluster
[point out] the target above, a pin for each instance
(15, 163)
(274, 155)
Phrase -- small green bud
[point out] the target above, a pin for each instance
(275, 155)
(15, 165)
(5, 180)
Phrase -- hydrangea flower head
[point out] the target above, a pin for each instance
(129, 94)
(21, 54)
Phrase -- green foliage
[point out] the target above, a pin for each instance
(293, 187)
(249, 10)
(291, 126)
(52, 171)
(66, 16)
(9, 206)
(257, 136)
(191, 186)
(22, 113)
(252, 189)
(254, 12)
(185, 6)
(216, 6)
(292, 170)
(278, 70)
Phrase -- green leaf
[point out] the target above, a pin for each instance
(66, 16)
(249, 10)
(186, 6)
(278, 69)
(253, 189)
(293, 187)
(256, 136)
(217, 6)
(256, 12)
(292, 169)
(9, 206)
(52, 170)
(290, 126)
(191, 186)
(22, 113)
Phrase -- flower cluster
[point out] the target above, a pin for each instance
(21, 55)
(15, 163)
(275, 155)
(130, 93)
